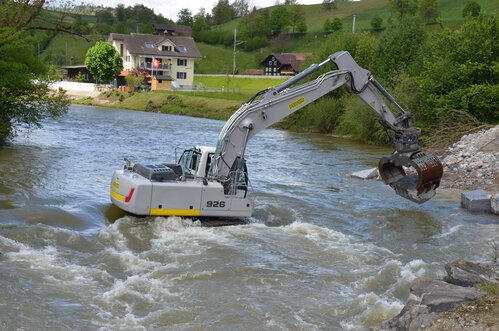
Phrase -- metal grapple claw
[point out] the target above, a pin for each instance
(418, 187)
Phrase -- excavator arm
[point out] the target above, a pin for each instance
(271, 105)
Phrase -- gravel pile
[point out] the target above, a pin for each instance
(473, 162)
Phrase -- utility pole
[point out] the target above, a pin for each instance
(234, 62)
(353, 27)
(66, 51)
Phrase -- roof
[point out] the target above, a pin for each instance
(136, 44)
(185, 30)
(292, 59)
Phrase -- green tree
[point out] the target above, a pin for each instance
(404, 7)
(120, 28)
(105, 16)
(120, 13)
(461, 70)
(471, 8)
(429, 10)
(25, 95)
(222, 12)
(185, 17)
(102, 29)
(302, 26)
(103, 61)
(336, 24)
(327, 27)
(400, 49)
(80, 25)
(240, 7)
(135, 79)
(376, 23)
(296, 15)
(279, 19)
(80, 77)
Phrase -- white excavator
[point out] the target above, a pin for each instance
(213, 182)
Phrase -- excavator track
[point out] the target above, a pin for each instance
(418, 187)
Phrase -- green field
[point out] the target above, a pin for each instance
(76, 47)
(238, 83)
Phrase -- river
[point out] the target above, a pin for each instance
(323, 251)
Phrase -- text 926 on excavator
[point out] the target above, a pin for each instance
(213, 181)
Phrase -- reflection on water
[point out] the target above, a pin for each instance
(322, 250)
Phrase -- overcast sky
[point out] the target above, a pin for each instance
(170, 8)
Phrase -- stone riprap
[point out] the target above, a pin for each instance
(494, 204)
(366, 174)
(473, 161)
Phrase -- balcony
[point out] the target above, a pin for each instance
(148, 66)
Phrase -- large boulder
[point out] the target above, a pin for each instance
(464, 273)
(427, 297)
(477, 201)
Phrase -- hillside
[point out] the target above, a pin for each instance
(218, 58)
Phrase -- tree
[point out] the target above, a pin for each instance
(119, 28)
(461, 70)
(471, 8)
(302, 26)
(240, 7)
(103, 61)
(376, 23)
(429, 10)
(135, 78)
(105, 16)
(336, 25)
(25, 96)
(185, 17)
(222, 12)
(329, 4)
(327, 25)
(400, 49)
(279, 19)
(120, 13)
(404, 7)
(296, 15)
(80, 25)
(102, 29)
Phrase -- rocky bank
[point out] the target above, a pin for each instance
(430, 301)
(473, 162)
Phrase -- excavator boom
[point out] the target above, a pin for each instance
(269, 106)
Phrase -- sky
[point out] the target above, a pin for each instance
(170, 8)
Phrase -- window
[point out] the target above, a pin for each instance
(166, 48)
(181, 62)
(181, 75)
(128, 58)
(149, 45)
(182, 48)
(121, 49)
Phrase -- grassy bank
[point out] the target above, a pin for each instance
(212, 105)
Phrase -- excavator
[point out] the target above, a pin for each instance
(213, 182)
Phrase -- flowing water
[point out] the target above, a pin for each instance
(323, 251)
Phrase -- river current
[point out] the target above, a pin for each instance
(323, 251)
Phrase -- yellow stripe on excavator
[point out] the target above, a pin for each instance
(174, 212)
(116, 195)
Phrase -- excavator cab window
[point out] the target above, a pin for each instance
(189, 161)
(208, 163)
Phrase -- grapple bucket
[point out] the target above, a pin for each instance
(418, 187)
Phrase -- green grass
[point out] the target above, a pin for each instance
(239, 83)
(77, 48)
(199, 104)
(218, 58)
